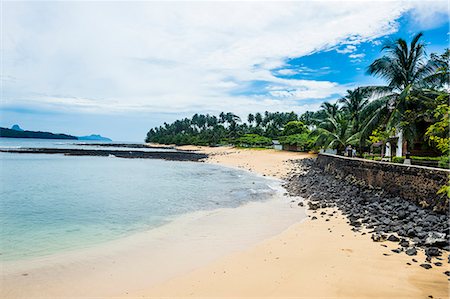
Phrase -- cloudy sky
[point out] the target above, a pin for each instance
(120, 68)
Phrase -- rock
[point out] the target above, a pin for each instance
(414, 260)
(447, 273)
(411, 251)
(401, 215)
(398, 250)
(438, 264)
(301, 204)
(436, 238)
(412, 208)
(314, 218)
(426, 266)
(432, 219)
(404, 243)
(432, 251)
(378, 237)
(313, 206)
(393, 238)
(383, 214)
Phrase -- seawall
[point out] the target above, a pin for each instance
(418, 184)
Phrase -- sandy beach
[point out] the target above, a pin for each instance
(313, 259)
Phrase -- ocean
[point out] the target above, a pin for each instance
(55, 203)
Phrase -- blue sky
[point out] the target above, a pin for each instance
(118, 69)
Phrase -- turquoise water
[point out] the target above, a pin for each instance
(55, 203)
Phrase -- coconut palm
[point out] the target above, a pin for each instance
(330, 109)
(404, 68)
(335, 132)
(354, 103)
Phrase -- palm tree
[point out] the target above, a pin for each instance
(258, 119)
(403, 67)
(251, 118)
(330, 109)
(335, 132)
(354, 103)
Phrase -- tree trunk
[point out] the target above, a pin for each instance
(405, 147)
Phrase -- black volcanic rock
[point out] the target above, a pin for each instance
(371, 208)
(411, 251)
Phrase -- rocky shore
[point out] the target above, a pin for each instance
(127, 145)
(165, 155)
(373, 210)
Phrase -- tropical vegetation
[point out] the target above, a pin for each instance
(413, 104)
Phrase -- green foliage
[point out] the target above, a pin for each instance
(444, 193)
(425, 158)
(414, 101)
(438, 133)
(304, 141)
(335, 132)
(253, 140)
(225, 129)
(444, 162)
(379, 135)
(398, 160)
(294, 127)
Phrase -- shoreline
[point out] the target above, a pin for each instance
(320, 258)
(304, 257)
(142, 257)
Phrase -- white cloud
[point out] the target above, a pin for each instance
(428, 14)
(175, 56)
(287, 72)
(354, 56)
(347, 49)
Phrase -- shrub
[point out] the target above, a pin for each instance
(418, 158)
(398, 159)
(253, 140)
(444, 162)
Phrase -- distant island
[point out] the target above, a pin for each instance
(95, 137)
(17, 132)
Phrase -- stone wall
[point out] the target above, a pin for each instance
(416, 183)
